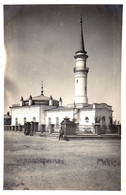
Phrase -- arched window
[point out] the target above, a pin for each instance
(77, 81)
(16, 121)
(103, 120)
(25, 120)
(34, 119)
(86, 119)
(49, 121)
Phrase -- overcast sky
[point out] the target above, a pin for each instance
(41, 41)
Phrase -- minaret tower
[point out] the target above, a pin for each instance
(81, 71)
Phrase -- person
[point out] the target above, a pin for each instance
(61, 134)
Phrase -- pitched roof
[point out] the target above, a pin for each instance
(87, 106)
(41, 98)
(61, 108)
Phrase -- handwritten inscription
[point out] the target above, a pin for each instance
(108, 162)
(39, 160)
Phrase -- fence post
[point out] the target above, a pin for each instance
(97, 129)
(119, 129)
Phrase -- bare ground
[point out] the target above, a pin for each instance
(44, 163)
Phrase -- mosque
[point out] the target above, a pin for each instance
(47, 110)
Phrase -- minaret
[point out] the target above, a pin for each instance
(81, 71)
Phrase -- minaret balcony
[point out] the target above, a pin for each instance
(80, 54)
(75, 69)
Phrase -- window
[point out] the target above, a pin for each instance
(77, 81)
(34, 119)
(86, 119)
(103, 120)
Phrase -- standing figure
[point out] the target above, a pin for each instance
(61, 133)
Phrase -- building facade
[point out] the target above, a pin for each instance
(47, 110)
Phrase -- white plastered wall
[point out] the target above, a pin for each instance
(27, 112)
(60, 114)
(87, 113)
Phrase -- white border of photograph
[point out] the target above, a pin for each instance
(123, 95)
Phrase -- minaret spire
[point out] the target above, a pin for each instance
(42, 89)
(82, 38)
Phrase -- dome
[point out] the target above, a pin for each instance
(41, 100)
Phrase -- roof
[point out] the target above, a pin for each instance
(87, 106)
(66, 121)
(40, 98)
(61, 108)
(97, 106)
(103, 105)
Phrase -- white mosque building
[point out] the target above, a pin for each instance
(47, 110)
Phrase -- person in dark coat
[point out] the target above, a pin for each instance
(61, 134)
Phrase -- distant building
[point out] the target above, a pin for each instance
(47, 110)
(7, 119)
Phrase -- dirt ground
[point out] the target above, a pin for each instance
(44, 163)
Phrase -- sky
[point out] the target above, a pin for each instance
(41, 41)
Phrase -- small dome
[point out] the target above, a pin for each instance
(43, 100)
